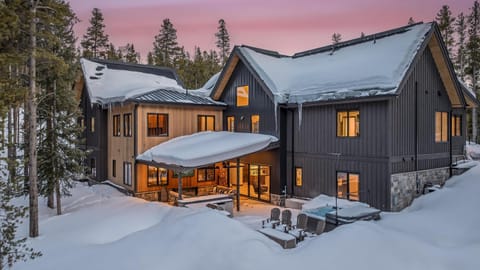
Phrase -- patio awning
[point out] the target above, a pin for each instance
(200, 149)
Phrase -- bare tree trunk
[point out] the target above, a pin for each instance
(32, 121)
(50, 182)
(59, 197)
(11, 146)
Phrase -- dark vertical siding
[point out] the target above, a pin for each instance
(431, 97)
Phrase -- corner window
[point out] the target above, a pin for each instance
(255, 123)
(456, 125)
(157, 176)
(206, 174)
(242, 96)
(231, 123)
(348, 123)
(127, 125)
(127, 173)
(441, 126)
(116, 125)
(114, 168)
(92, 124)
(348, 186)
(206, 123)
(298, 176)
(157, 124)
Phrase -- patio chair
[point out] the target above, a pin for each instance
(287, 217)
(299, 229)
(274, 218)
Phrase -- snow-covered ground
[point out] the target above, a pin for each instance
(473, 150)
(103, 229)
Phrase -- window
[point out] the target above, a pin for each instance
(298, 176)
(93, 167)
(456, 125)
(81, 122)
(127, 173)
(157, 124)
(114, 168)
(231, 123)
(157, 176)
(348, 123)
(116, 125)
(206, 123)
(206, 174)
(441, 126)
(92, 124)
(127, 125)
(242, 96)
(348, 186)
(255, 123)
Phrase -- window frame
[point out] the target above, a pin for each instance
(251, 123)
(248, 95)
(205, 173)
(116, 128)
(166, 125)
(456, 125)
(228, 123)
(298, 183)
(357, 134)
(443, 130)
(127, 129)
(158, 181)
(205, 116)
(127, 180)
(348, 185)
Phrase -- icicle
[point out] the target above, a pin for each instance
(300, 109)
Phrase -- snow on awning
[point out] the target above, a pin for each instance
(204, 148)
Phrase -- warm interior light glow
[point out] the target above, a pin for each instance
(242, 96)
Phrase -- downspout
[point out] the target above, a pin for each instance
(450, 143)
(135, 150)
(416, 137)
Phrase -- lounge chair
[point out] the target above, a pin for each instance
(274, 218)
(299, 229)
(287, 217)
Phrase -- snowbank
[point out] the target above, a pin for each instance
(324, 200)
(473, 150)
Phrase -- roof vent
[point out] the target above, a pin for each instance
(94, 78)
(98, 74)
(100, 68)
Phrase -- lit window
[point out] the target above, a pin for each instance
(348, 123)
(81, 122)
(456, 125)
(116, 125)
(127, 173)
(157, 124)
(255, 123)
(242, 96)
(231, 123)
(127, 125)
(206, 174)
(92, 124)
(206, 123)
(157, 176)
(298, 176)
(441, 126)
(348, 186)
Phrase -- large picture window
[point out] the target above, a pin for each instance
(441, 126)
(206, 174)
(348, 123)
(127, 125)
(348, 186)
(231, 123)
(255, 123)
(456, 125)
(116, 125)
(206, 123)
(157, 176)
(127, 173)
(242, 96)
(157, 124)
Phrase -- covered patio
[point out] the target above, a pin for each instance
(184, 154)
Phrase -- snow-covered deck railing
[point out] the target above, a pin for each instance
(204, 148)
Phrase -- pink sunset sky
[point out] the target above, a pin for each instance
(287, 26)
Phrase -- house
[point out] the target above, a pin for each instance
(373, 119)
(129, 108)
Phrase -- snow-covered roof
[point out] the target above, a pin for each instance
(204, 148)
(107, 85)
(207, 88)
(171, 96)
(370, 67)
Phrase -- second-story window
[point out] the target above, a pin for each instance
(127, 125)
(441, 126)
(206, 123)
(255, 123)
(242, 96)
(348, 123)
(157, 124)
(116, 125)
(231, 123)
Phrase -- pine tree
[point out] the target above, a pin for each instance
(411, 21)
(223, 41)
(113, 54)
(461, 30)
(336, 38)
(95, 41)
(131, 56)
(165, 46)
(362, 35)
(445, 23)
(473, 55)
(150, 59)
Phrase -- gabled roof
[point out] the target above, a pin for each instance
(373, 66)
(110, 82)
